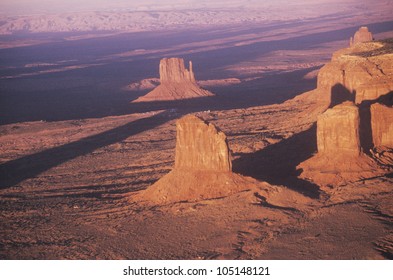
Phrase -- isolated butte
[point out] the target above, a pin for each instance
(176, 83)
(361, 36)
(203, 167)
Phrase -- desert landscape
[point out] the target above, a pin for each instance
(240, 131)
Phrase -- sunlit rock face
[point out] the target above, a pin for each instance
(338, 131)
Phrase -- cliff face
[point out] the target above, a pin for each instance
(382, 125)
(338, 131)
(176, 83)
(199, 146)
(365, 71)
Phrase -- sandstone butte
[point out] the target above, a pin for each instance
(339, 157)
(363, 75)
(176, 83)
(361, 36)
(203, 167)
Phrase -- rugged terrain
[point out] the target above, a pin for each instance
(71, 175)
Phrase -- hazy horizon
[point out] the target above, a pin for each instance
(50, 6)
(17, 7)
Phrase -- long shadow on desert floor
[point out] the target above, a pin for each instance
(18, 170)
(276, 163)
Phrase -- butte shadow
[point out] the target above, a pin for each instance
(18, 170)
(276, 163)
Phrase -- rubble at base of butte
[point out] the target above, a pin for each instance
(176, 83)
(354, 136)
(203, 170)
(361, 36)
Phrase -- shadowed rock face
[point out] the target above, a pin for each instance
(200, 146)
(177, 83)
(338, 131)
(382, 125)
(361, 36)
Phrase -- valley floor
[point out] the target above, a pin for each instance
(69, 185)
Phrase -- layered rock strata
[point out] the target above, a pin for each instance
(176, 82)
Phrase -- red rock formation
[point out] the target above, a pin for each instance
(339, 156)
(365, 71)
(199, 146)
(338, 131)
(173, 70)
(382, 125)
(203, 169)
(177, 82)
(361, 36)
